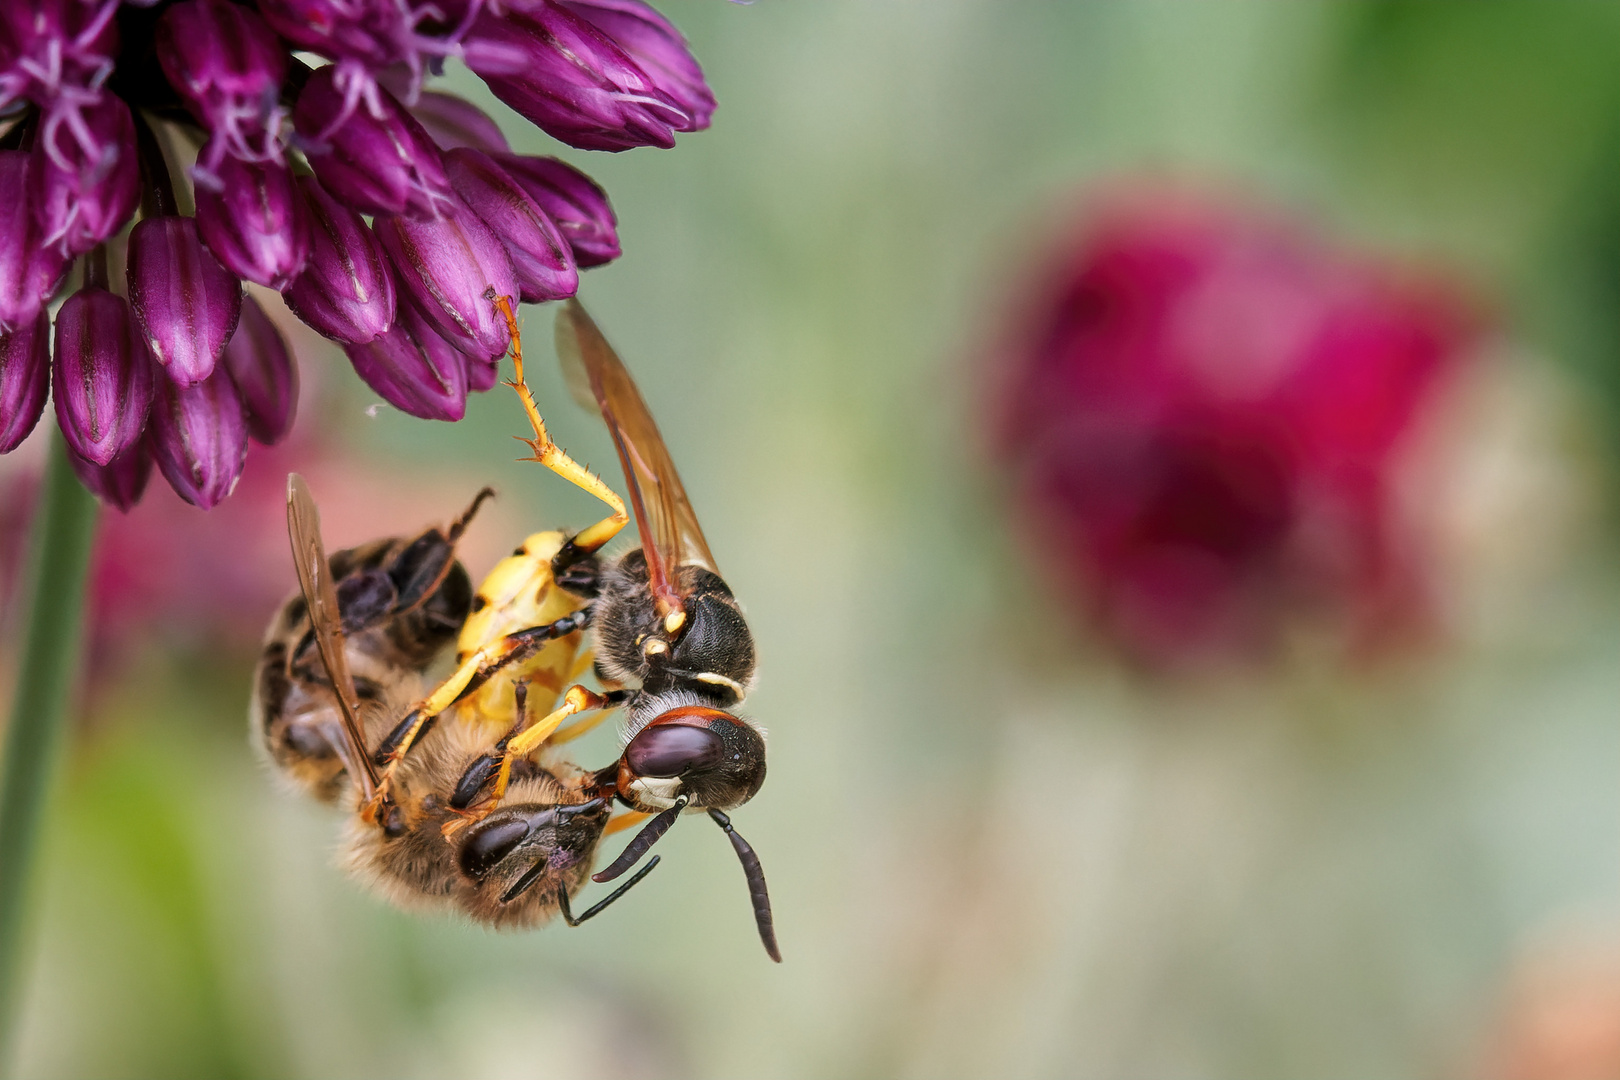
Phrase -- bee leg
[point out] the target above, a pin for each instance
(553, 456)
(421, 568)
(472, 673)
(596, 909)
(495, 762)
(518, 744)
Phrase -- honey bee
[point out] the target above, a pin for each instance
(461, 798)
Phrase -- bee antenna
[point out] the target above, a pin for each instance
(646, 838)
(459, 526)
(756, 885)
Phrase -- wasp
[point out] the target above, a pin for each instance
(461, 797)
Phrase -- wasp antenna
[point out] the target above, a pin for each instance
(756, 885)
(646, 838)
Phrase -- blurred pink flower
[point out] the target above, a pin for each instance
(1201, 412)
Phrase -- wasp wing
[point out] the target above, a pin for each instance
(670, 533)
(320, 596)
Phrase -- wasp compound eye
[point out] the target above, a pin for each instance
(489, 844)
(673, 750)
(717, 759)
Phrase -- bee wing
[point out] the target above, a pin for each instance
(315, 579)
(670, 533)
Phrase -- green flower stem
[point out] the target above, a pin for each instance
(36, 734)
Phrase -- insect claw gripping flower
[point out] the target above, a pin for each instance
(92, 95)
(446, 267)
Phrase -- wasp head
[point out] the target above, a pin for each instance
(715, 759)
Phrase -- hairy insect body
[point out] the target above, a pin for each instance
(395, 631)
(519, 593)
(462, 800)
(472, 871)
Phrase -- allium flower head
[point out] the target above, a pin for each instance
(1202, 417)
(96, 97)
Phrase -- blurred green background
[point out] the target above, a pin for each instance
(993, 849)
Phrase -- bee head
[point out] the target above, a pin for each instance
(512, 849)
(715, 759)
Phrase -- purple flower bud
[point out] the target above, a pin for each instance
(346, 291)
(266, 378)
(186, 303)
(200, 437)
(52, 50)
(541, 258)
(454, 121)
(227, 66)
(571, 80)
(85, 192)
(122, 482)
(25, 375)
(415, 369)
(255, 224)
(572, 200)
(376, 157)
(29, 270)
(102, 379)
(657, 47)
(341, 29)
(482, 374)
(447, 267)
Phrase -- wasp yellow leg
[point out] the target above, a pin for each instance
(521, 745)
(443, 696)
(579, 727)
(553, 456)
(627, 820)
(577, 700)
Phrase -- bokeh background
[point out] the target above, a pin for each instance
(997, 845)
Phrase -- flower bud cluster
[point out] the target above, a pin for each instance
(383, 213)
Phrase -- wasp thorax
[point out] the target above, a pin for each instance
(711, 644)
(713, 758)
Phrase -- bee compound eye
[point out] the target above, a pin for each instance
(490, 842)
(666, 750)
